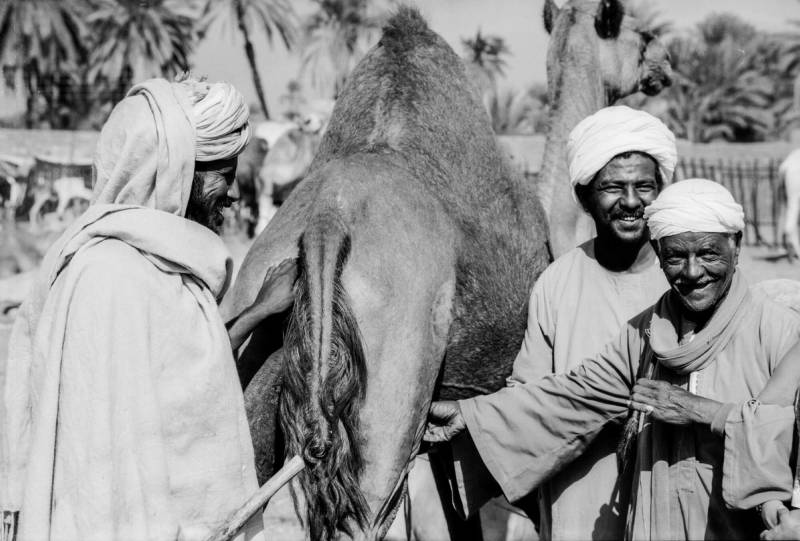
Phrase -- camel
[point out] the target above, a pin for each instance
(415, 245)
(789, 171)
(64, 191)
(596, 56)
(286, 163)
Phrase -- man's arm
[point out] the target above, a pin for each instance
(525, 433)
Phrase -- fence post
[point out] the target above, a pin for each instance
(775, 192)
(754, 183)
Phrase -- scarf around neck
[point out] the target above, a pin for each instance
(708, 342)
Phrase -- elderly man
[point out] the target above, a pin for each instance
(705, 345)
(124, 414)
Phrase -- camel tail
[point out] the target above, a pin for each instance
(325, 384)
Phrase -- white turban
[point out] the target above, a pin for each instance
(221, 117)
(696, 205)
(616, 130)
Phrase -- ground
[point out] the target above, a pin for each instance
(757, 263)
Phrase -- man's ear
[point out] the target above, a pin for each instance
(582, 195)
(737, 239)
(656, 248)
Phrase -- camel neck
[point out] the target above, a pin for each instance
(577, 92)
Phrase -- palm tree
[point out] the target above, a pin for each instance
(519, 113)
(274, 16)
(719, 91)
(137, 39)
(337, 35)
(45, 39)
(484, 63)
(487, 53)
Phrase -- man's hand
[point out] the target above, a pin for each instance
(272, 297)
(788, 526)
(770, 512)
(8, 528)
(670, 404)
(444, 422)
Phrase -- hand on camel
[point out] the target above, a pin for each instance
(671, 404)
(788, 527)
(274, 297)
(444, 422)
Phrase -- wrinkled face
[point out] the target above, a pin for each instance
(213, 189)
(699, 266)
(617, 196)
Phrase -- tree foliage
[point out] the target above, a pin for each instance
(137, 39)
(45, 40)
(731, 82)
(336, 37)
(273, 17)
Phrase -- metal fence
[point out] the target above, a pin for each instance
(754, 183)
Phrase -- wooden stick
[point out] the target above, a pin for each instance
(238, 518)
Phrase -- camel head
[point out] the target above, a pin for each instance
(600, 40)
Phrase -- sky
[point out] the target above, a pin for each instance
(221, 55)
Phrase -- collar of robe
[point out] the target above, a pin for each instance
(703, 349)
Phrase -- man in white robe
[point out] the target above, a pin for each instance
(124, 414)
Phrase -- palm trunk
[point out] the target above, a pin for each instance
(30, 94)
(251, 57)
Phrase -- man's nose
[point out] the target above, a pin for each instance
(693, 269)
(630, 198)
(233, 191)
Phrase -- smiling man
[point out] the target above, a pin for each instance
(124, 414)
(706, 345)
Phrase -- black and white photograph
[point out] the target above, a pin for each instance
(402, 270)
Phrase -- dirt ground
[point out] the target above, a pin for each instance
(280, 521)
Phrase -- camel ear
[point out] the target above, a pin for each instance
(549, 15)
(608, 19)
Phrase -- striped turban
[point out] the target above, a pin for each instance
(694, 205)
(148, 147)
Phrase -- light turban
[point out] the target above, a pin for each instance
(147, 148)
(615, 130)
(694, 205)
(220, 119)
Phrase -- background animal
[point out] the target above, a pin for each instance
(415, 246)
(63, 191)
(597, 55)
(789, 171)
(248, 167)
(286, 163)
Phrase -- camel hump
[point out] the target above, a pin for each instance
(405, 30)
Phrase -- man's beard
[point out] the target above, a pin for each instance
(201, 210)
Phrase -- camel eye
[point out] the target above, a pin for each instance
(647, 37)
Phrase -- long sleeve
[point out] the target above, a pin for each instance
(758, 444)
(759, 433)
(535, 357)
(526, 433)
